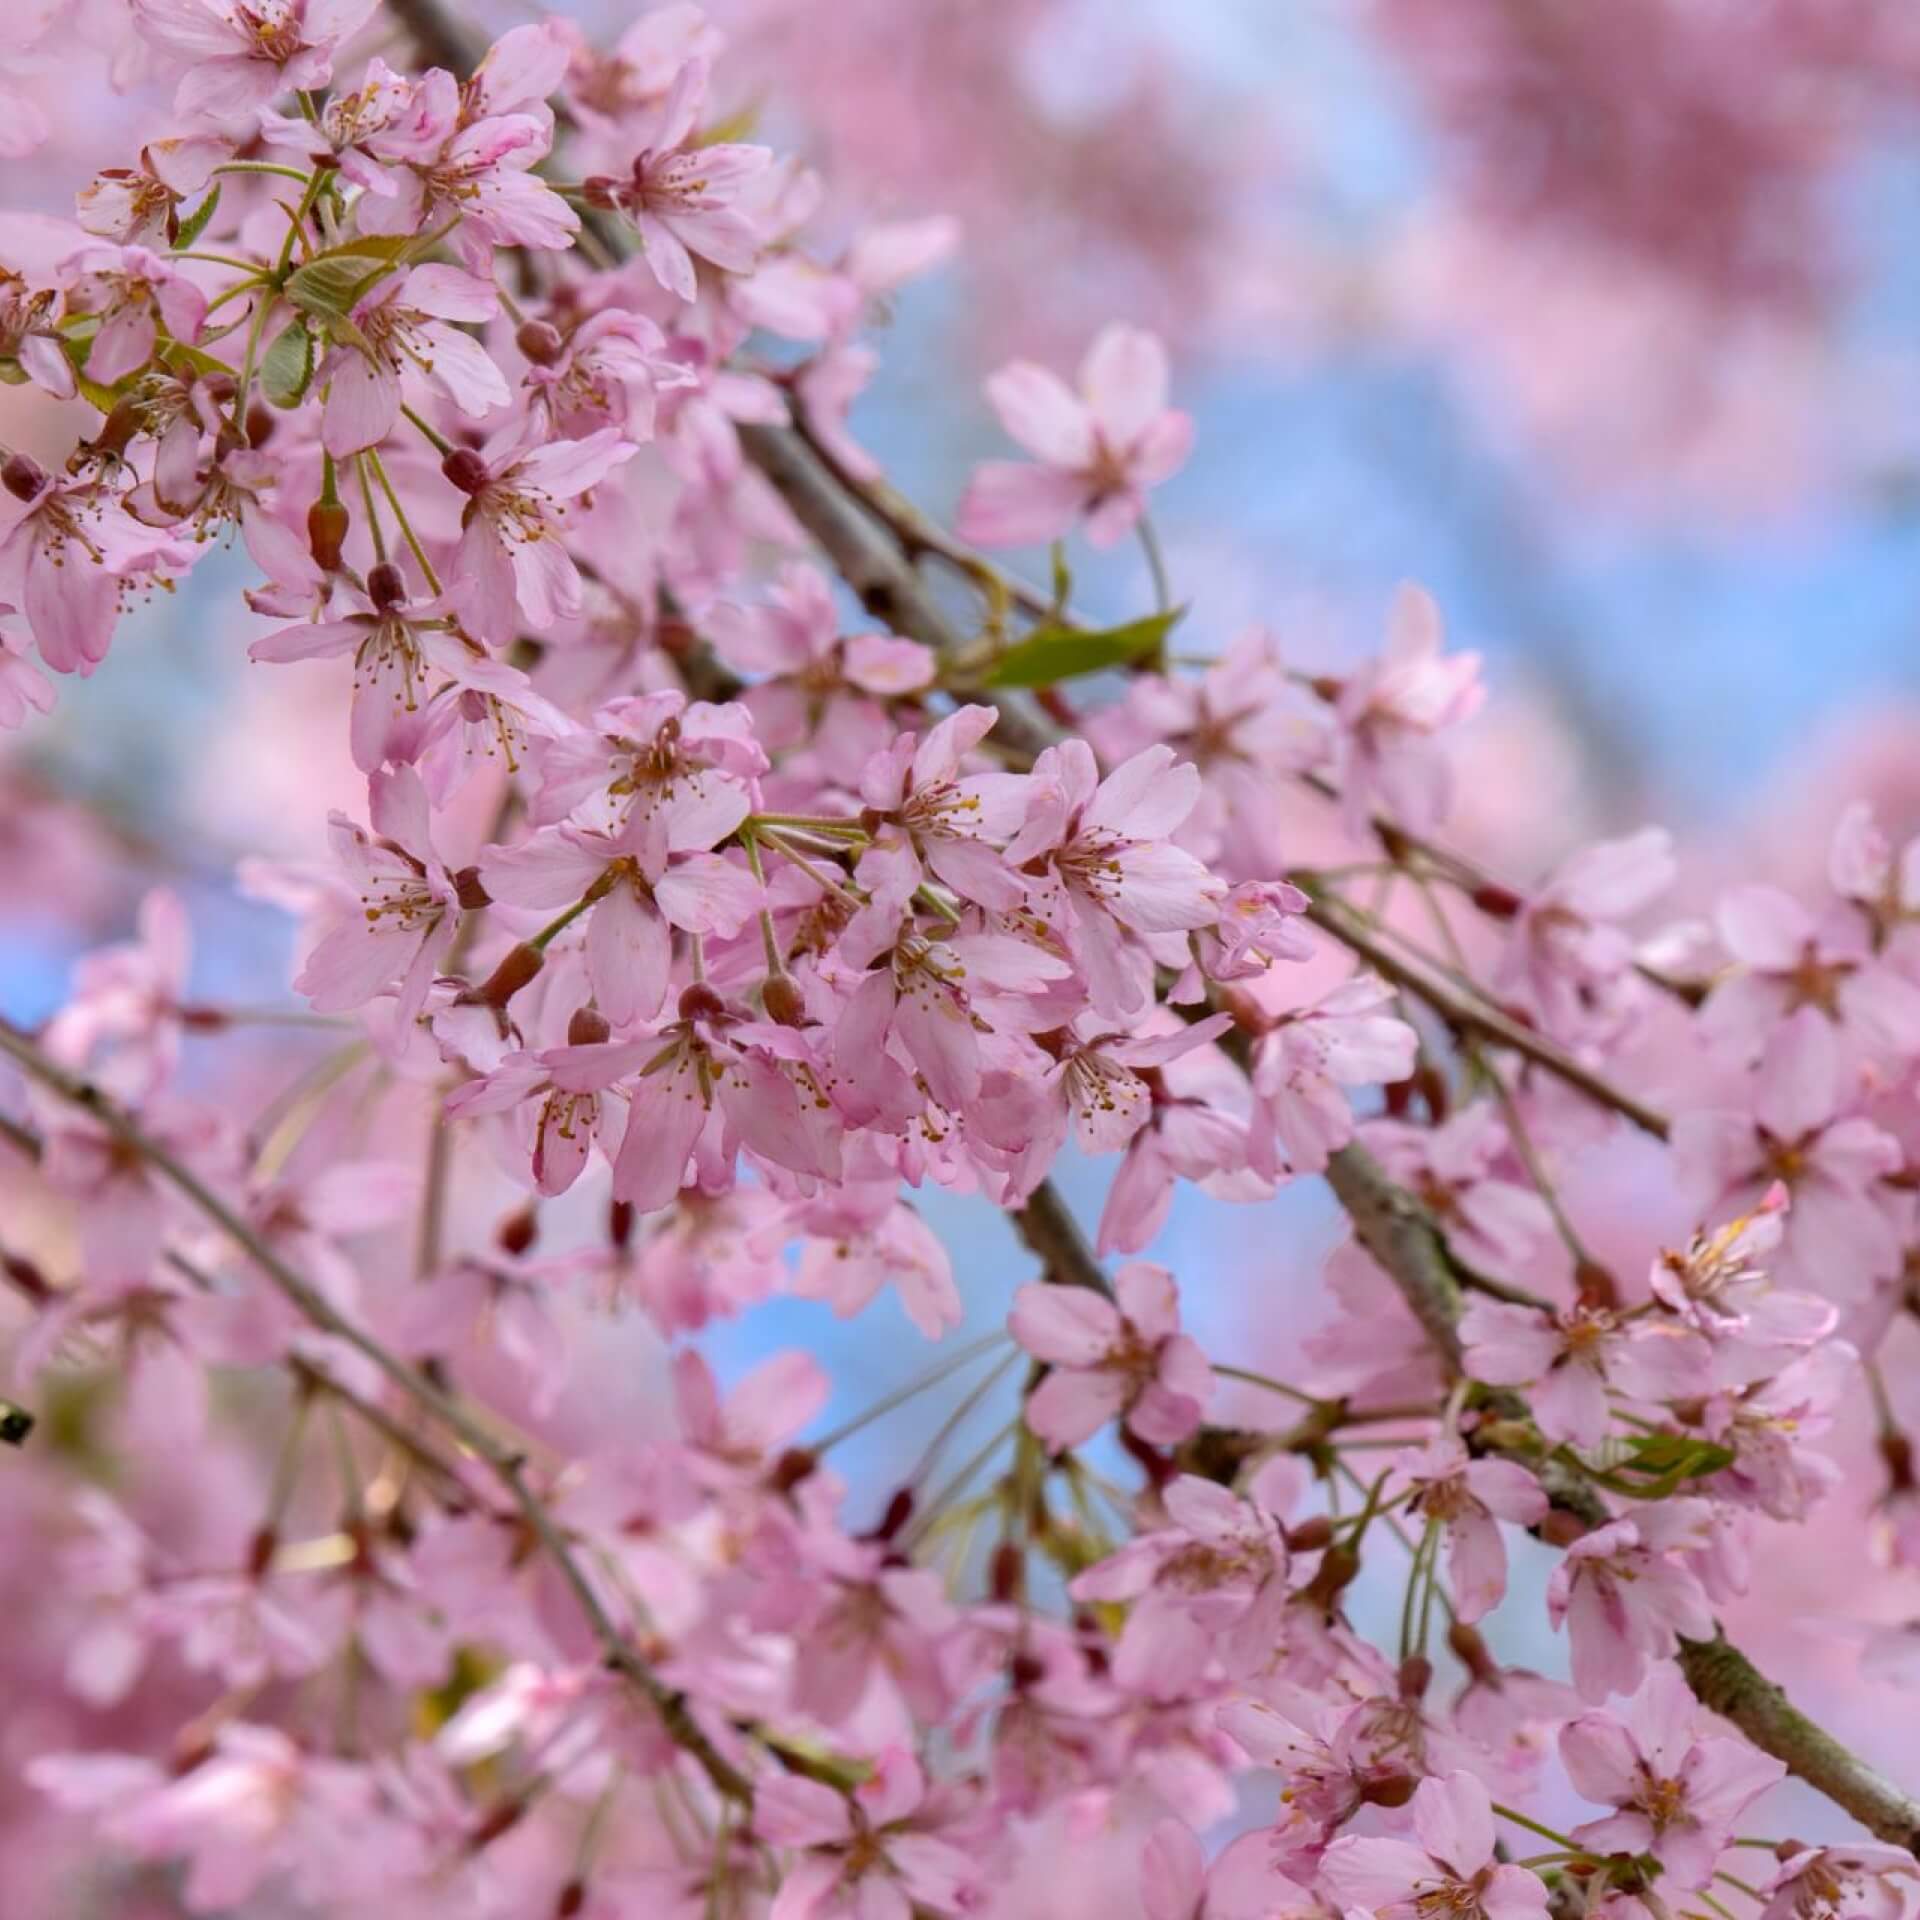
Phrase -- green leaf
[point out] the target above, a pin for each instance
(195, 224)
(1658, 1464)
(331, 284)
(1051, 653)
(288, 367)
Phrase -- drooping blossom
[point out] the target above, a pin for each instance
(1098, 448)
(1449, 1866)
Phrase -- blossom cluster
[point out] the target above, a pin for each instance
(713, 868)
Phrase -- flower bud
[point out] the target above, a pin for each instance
(519, 969)
(587, 1027)
(1497, 902)
(1311, 1535)
(327, 524)
(1386, 1787)
(1416, 1676)
(573, 1896)
(793, 1466)
(386, 586)
(700, 1002)
(466, 470)
(260, 425)
(1339, 1567)
(518, 1231)
(23, 477)
(1470, 1649)
(1561, 1528)
(899, 1512)
(1008, 1574)
(783, 1000)
(540, 341)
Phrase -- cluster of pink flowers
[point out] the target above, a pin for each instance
(703, 872)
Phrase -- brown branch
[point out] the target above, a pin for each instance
(1468, 1015)
(1053, 1235)
(504, 1463)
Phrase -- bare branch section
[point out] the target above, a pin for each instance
(1467, 1014)
(1052, 1233)
(505, 1464)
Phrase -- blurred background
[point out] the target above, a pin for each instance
(1598, 317)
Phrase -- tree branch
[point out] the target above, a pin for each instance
(1334, 916)
(504, 1463)
(1053, 1235)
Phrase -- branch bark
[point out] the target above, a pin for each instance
(1468, 1015)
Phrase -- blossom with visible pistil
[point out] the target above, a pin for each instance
(1112, 1358)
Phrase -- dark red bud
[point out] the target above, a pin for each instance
(573, 1896)
(386, 586)
(619, 1222)
(700, 1002)
(1339, 1567)
(504, 1817)
(1897, 1451)
(793, 1466)
(470, 890)
(260, 1552)
(783, 1000)
(588, 1027)
(327, 524)
(541, 341)
(1416, 1676)
(1388, 1787)
(1311, 1535)
(1009, 1572)
(519, 969)
(1496, 901)
(260, 425)
(899, 1512)
(518, 1231)
(22, 477)
(1561, 1528)
(1471, 1650)
(466, 470)
(1025, 1672)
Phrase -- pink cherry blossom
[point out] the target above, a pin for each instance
(689, 199)
(1450, 1860)
(1099, 446)
(1469, 1498)
(512, 563)
(1388, 754)
(1625, 1597)
(1678, 1795)
(239, 56)
(403, 913)
(402, 325)
(1111, 1360)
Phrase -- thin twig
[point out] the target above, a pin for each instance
(505, 1464)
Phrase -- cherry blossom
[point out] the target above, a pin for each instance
(1099, 447)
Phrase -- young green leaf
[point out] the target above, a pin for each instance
(1052, 653)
